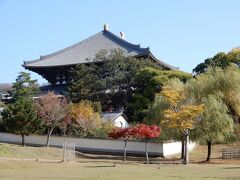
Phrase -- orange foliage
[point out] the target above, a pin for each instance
(180, 115)
(84, 115)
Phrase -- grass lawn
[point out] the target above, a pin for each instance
(90, 167)
(18, 151)
(106, 170)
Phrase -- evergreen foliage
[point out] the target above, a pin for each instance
(21, 118)
(221, 60)
(110, 80)
(24, 86)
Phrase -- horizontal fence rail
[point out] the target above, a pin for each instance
(231, 154)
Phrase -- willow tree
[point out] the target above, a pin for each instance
(182, 114)
(216, 124)
(219, 90)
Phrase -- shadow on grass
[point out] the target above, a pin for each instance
(231, 168)
(101, 166)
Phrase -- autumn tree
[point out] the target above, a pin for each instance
(123, 134)
(155, 115)
(54, 112)
(146, 133)
(21, 118)
(182, 114)
(86, 116)
(149, 81)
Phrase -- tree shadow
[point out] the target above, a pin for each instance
(231, 167)
(102, 166)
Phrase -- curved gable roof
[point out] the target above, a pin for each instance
(85, 51)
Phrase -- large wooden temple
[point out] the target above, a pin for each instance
(55, 67)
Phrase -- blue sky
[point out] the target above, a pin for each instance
(180, 32)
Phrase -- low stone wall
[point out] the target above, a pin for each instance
(104, 146)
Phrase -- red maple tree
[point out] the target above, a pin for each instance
(147, 132)
(124, 134)
(141, 131)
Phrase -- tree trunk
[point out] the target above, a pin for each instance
(186, 158)
(209, 144)
(48, 137)
(23, 139)
(125, 151)
(183, 152)
(146, 152)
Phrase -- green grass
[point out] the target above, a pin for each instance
(106, 171)
(108, 167)
(18, 151)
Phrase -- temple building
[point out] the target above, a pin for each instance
(55, 67)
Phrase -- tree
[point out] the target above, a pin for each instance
(110, 80)
(54, 112)
(146, 132)
(124, 134)
(149, 81)
(21, 118)
(86, 116)
(182, 114)
(141, 131)
(24, 86)
(216, 124)
(220, 60)
(218, 89)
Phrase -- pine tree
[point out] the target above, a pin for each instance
(21, 118)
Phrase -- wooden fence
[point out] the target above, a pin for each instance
(231, 153)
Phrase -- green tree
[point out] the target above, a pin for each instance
(24, 86)
(149, 81)
(216, 125)
(221, 60)
(110, 80)
(21, 118)
(218, 89)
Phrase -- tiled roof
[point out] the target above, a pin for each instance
(85, 51)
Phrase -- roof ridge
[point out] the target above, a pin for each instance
(72, 46)
(112, 36)
(127, 43)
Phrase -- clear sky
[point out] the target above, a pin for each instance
(180, 32)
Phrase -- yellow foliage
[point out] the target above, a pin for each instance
(180, 114)
(84, 115)
(173, 96)
(185, 118)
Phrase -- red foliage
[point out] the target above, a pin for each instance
(121, 133)
(147, 132)
(142, 131)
